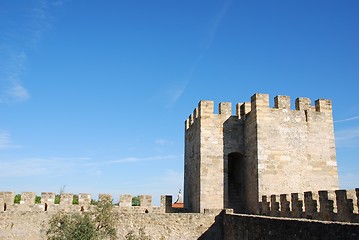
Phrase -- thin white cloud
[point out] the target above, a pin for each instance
(177, 93)
(40, 22)
(142, 159)
(347, 137)
(42, 166)
(12, 88)
(161, 142)
(347, 119)
(6, 142)
(217, 20)
(18, 92)
(57, 3)
(16, 41)
(60, 166)
(174, 93)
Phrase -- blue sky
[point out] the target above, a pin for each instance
(94, 94)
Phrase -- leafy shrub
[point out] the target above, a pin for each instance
(71, 226)
(105, 218)
(85, 226)
(75, 199)
(136, 201)
(37, 199)
(57, 199)
(17, 198)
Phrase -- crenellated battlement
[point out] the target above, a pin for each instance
(232, 158)
(284, 102)
(258, 102)
(338, 205)
(206, 109)
(230, 161)
(83, 202)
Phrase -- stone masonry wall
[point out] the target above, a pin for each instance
(211, 154)
(204, 162)
(29, 220)
(275, 150)
(233, 160)
(192, 163)
(174, 226)
(252, 227)
(338, 205)
(210, 225)
(295, 148)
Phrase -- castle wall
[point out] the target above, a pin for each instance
(338, 205)
(251, 161)
(174, 226)
(295, 148)
(231, 160)
(29, 220)
(192, 163)
(234, 160)
(209, 138)
(250, 227)
(211, 154)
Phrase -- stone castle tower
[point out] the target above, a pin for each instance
(232, 160)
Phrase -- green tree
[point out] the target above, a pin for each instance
(105, 218)
(136, 201)
(37, 199)
(71, 226)
(58, 196)
(75, 199)
(57, 199)
(84, 226)
(17, 198)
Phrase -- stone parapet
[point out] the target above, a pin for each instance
(258, 102)
(338, 205)
(65, 202)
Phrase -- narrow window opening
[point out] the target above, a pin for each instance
(82, 209)
(306, 115)
(146, 211)
(4, 207)
(45, 207)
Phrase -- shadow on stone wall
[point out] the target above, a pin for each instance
(215, 231)
(240, 226)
